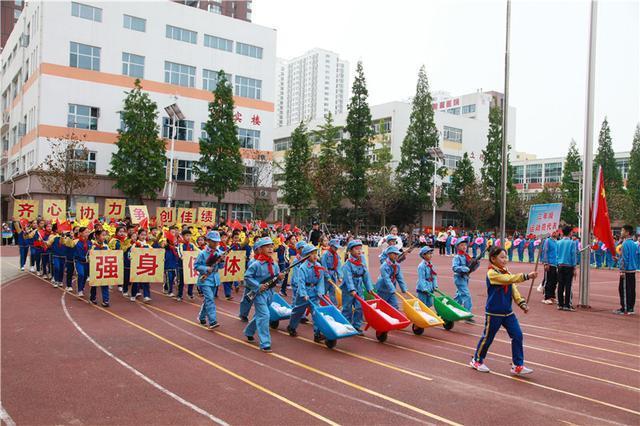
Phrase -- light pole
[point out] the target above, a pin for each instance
(174, 113)
(437, 154)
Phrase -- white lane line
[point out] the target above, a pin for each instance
(138, 373)
(5, 417)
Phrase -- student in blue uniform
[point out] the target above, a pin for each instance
(292, 272)
(531, 248)
(23, 244)
(209, 280)
(171, 261)
(355, 280)
(628, 267)
(58, 255)
(99, 243)
(261, 269)
(391, 241)
(448, 244)
(549, 258)
(567, 261)
(184, 246)
(461, 269)
(45, 252)
(331, 262)
(501, 290)
(69, 241)
(390, 277)
(599, 254)
(427, 277)
(521, 247)
(81, 258)
(310, 285)
(141, 242)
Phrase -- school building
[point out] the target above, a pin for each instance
(66, 67)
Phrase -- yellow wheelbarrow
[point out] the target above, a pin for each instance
(420, 315)
(338, 293)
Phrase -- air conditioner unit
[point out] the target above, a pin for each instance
(24, 40)
(263, 193)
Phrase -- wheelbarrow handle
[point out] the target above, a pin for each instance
(326, 299)
(439, 292)
(333, 284)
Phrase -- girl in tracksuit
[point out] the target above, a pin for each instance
(100, 244)
(23, 243)
(390, 276)
(461, 266)
(45, 252)
(185, 245)
(501, 290)
(58, 255)
(427, 277)
(146, 290)
(331, 262)
(531, 249)
(81, 258)
(355, 280)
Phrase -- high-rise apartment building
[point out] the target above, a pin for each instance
(9, 13)
(240, 9)
(309, 86)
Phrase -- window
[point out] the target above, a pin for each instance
(215, 8)
(182, 75)
(184, 129)
(16, 14)
(452, 134)
(623, 165)
(182, 34)
(451, 161)
(241, 212)
(203, 132)
(468, 109)
(518, 174)
(84, 56)
(218, 43)
(135, 24)
(534, 173)
(552, 172)
(86, 12)
(382, 126)
(249, 138)
(249, 50)
(18, 3)
(84, 161)
(210, 79)
(185, 170)
(83, 117)
(132, 65)
(248, 87)
(450, 219)
(455, 111)
(250, 177)
(282, 144)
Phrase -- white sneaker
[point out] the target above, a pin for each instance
(479, 366)
(126, 295)
(138, 294)
(55, 284)
(540, 288)
(39, 273)
(81, 293)
(69, 289)
(520, 370)
(32, 269)
(171, 294)
(22, 268)
(133, 299)
(146, 300)
(120, 288)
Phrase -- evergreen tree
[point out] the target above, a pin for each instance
(219, 169)
(633, 180)
(327, 169)
(297, 188)
(415, 169)
(383, 192)
(138, 165)
(462, 177)
(355, 149)
(570, 188)
(605, 157)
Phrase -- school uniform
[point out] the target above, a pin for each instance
(58, 250)
(238, 247)
(310, 284)
(209, 285)
(390, 276)
(427, 282)
(284, 254)
(549, 258)
(330, 261)
(261, 269)
(355, 277)
(23, 247)
(136, 286)
(460, 266)
(171, 260)
(81, 262)
(628, 266)
(510, 248)
(104, 288)
(183, 247)
(531, 249)
(70, 265)
(36, 249)
(521, 247)
(567, 261)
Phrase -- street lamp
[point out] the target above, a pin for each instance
(175, 114)
(437, 154)
(577, 177)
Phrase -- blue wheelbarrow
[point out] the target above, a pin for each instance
(331, 323)
(279, 309)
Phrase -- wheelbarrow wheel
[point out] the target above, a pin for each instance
(448, 325)
(274, 324)
(330, 343)
(382, 337)
(417, 330)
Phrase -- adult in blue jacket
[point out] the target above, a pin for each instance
(209, 278)
(628, 267)
(567, 261)
(390, 277)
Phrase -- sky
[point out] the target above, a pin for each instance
(462, 45)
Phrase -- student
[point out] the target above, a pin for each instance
(141, 242)
(501, 290)
(549, 258)
(310, 284)
(390, 276)
(462, 267)
(427, 277)
(391, 241)
(521, 244)
(567, 261)
(628, 267)
(510, 246)
(120, 242)
(100, 244)
(45, 252)
(69, 241)
(236, 246)
(184, 246)
(531, 248)
(58, 256)
(81, 258)
(285, 252)
(331, 262)
(171, 261)
(23, 241)
(261, 269)
(355, 280)
(208, 263)
(299, 246)
(36, 249)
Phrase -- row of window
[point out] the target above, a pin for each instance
(184, 172)
(93, 13)
(533, 173)
(88, 57)
(452, 134)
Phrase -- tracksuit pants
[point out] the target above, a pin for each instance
(70, 267)
(58, 268)
(550, 282)
(260, 320)
(82, 268)
(24, 252)
(565, 277)
(492, 324)
(627, 291)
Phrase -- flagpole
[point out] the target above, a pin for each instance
(587, 172)
(505, 126)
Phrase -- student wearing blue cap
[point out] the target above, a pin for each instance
(299, 246)
(208, 263)
(355, 280)
(462, 266)
(391, 241)
(262, 268)
(310, 284)
(427, 277)
(390, 276)
(331, 262)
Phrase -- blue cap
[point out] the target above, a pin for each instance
(392, 250)
(261, 242)
(213, 236)
(390, 237)
(462, 240)
(300, 245)
(353, 243)
(334, 243)
(424, 250)
(308, 249)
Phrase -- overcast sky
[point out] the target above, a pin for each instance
(462, 45)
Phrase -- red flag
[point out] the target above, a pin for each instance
(144, 223)
(263, 224)
(90, 226)
(248, 225)
(64, 227)
(296, 229)
(600, 218)
(286, 228)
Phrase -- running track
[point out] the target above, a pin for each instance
(65, 361)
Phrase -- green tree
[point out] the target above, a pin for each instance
(415, 170)
(219, 169)
(476, 206)
(570, 188)
(297, 188)
(462, 177)
(383, 191)
(605, 157)
(633, 181)
(138, 165)
(327, 169)
(355, 148)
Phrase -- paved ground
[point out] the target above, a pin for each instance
(65, 361)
